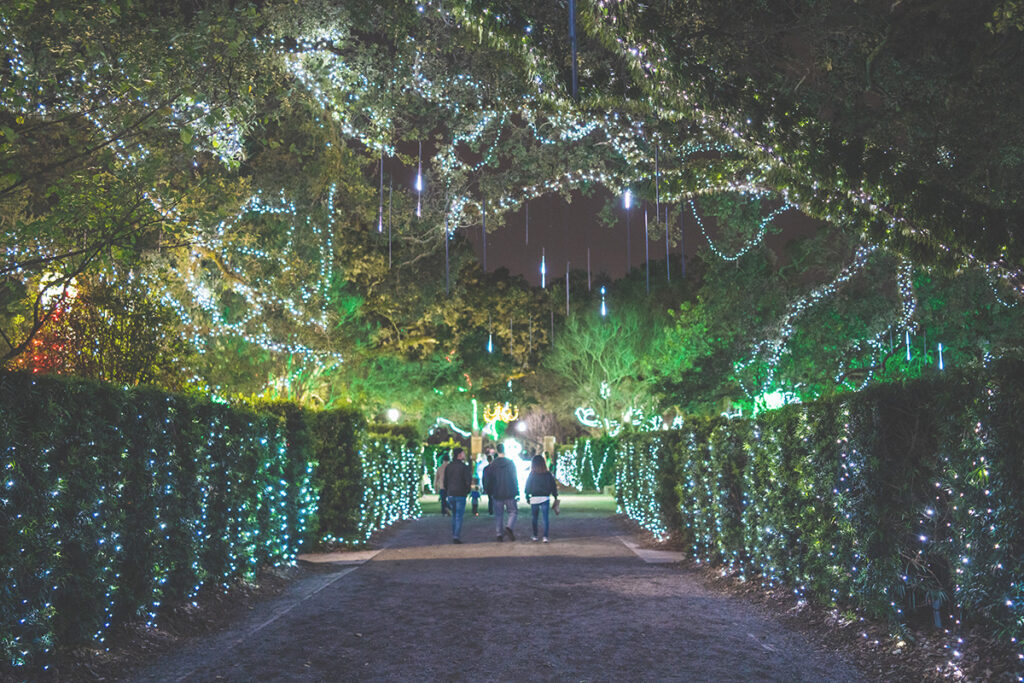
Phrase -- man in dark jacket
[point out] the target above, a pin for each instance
(458, 480)
(502, 486)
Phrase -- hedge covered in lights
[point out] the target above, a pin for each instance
(115, 503)
(588, 465)
(369, 482)
(904, 501)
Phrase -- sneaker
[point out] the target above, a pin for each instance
(455, 540)
(511, 534)
(533, 538)
(500, 539)
(546, 539)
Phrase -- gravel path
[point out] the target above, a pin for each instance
(583, 608)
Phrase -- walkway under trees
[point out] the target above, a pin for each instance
(584, 607)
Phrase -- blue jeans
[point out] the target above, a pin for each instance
(500, 506)
(458, 507)
(544, 507)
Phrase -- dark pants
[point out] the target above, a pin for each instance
(444, 502)
(476, 504)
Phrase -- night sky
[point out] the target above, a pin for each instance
(565, 231)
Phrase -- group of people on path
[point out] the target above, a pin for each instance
(454, 482)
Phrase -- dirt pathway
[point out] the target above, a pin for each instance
(583, 608)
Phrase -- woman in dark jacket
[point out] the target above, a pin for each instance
(540, 489)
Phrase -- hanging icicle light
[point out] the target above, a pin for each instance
(657, 187)
(682, 243)
(483, 228)
(908, 345)
(942, 366)
(380, 208)
(419, 180)
(627, 201)
(526, 207)
(588, 269)
(604, 305)
(566, 289)
(572, 42)
(647, 250)
(543, 269)
(391, 192)
(668, 261)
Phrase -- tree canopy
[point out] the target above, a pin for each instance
(243, 170)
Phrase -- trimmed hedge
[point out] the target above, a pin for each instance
(115, 503)
(902, 501)
(588, 465)
(391, 482)
(337, 437)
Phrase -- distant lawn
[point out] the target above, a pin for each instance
(575, 503)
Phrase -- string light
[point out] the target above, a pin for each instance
(584, 466)
(769, 499)
(443, 422)
(213, 493)
(750, 244)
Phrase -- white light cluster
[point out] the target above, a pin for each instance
(248, 266)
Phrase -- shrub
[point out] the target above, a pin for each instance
(903, 501)
(118, 502)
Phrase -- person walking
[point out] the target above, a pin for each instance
(474, 497)
(540, 489)
(502, 486)
(458, 480)
(439, 483)
(490, 459)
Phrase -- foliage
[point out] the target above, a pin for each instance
(122, 503)
(367, 481)
(112, 331)
(337, 435)
(589, 465)
(391, 484)
(901, 500)
(118, 502)
(404, 431)
(111, 142)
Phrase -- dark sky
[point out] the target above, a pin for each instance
(565, 231)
